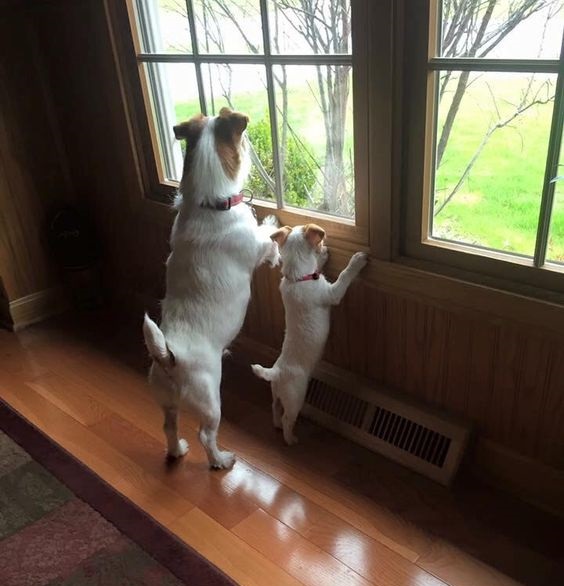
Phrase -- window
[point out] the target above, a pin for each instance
(484, 136)
(288, 64)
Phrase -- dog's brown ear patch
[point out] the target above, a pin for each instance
(229, 128)
(281, 235)
(314, 234)
(190, 130)
(236, 122)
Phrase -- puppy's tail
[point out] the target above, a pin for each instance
(271, 220)
(268, 374)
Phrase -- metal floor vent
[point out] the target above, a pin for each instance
(424, 440)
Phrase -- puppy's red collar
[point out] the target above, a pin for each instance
(311, 277)
(225, 204)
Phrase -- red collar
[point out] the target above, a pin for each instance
(311, 277)
(225, 204)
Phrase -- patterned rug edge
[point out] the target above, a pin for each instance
(179, 558)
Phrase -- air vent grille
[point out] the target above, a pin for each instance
(404, 434)
(336, 403)
(413, 435)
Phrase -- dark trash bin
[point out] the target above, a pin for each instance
(75, 247)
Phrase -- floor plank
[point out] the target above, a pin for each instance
(299, 557)
(313, 565)
(70, 398)
(226, 550)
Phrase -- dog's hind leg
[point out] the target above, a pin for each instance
(176, 447)
(210, 417)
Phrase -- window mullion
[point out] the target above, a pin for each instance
(196, 54)
(553, 158)
(272, 105)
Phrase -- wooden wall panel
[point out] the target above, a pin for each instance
(502, 376)
(481, 363)
(549, 434)
(33, 172)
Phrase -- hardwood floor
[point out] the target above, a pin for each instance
(325, 512)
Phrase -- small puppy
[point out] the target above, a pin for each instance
(216, 245)
(307, 298)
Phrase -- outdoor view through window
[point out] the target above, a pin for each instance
(495, 82)
(286, 63)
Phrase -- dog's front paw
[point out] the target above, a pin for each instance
(223, 461)
(180, 450)
(358, 261)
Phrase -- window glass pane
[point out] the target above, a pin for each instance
(314, 108)
(502, 29)
(492, 141)
(174, 98)
(243, 88)
(228, 27)
(163, 26)
(304, 27)
(555, 250)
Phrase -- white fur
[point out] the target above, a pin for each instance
(307, 306)
(214, 254)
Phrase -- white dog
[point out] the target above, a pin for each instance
(307, 298)
(216, 245)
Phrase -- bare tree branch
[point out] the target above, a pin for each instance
(520, 109)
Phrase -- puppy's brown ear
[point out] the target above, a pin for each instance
(314, 234)
(281, 235)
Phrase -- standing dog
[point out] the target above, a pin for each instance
(307, 298)
(216, 245)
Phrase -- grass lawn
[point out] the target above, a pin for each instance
(498, 204)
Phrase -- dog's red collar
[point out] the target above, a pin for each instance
(225, 204)
(311, 277)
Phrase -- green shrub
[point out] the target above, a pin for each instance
(299, 174)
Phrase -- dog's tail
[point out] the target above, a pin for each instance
(268, 374)
(156, 344)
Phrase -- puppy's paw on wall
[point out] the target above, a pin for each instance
(358, 261)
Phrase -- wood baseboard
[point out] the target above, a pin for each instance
(36, 307)
(527, 479)
(523, 477)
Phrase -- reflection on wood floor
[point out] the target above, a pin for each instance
(324, 512)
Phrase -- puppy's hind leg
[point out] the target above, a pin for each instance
(277, 409)
(176, 447)
(292, 398)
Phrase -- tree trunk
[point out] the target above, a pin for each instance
(464, 76)
(334, 184)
